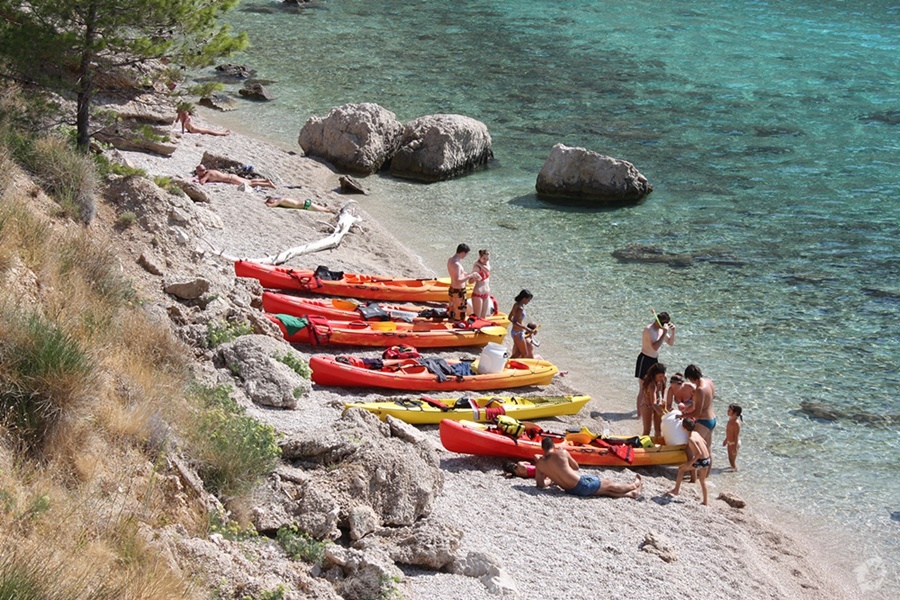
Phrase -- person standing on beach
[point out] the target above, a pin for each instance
(653, 388)
(481, 295)
(522, 332)
(732, 439)
(660, 330)
(679, 392)
(698, 461)
(702, 398)
(557, 466)
(459, 280)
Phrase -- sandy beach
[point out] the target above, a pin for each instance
(548, 543)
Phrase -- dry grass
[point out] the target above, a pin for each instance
(89, 391)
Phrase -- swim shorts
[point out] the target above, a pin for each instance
(587, 485)
(460, 292)
(701, 463)
(643, 364)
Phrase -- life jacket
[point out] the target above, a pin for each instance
(401, 351)
(510, 426)
(373, 312)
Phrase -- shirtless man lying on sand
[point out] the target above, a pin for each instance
(273, 201)
(557, 466)
(205, 175)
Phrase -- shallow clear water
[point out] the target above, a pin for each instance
(770, 133)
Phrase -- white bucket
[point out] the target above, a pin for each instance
(672, 431)
(493, 358)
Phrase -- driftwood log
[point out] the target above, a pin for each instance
(346, 220)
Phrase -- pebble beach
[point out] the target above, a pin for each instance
(548, 542)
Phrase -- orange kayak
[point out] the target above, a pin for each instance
(347, 309)
(353, 285)
(482, 439)
(319, 331)
(411, 374)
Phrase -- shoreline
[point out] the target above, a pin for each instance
(519, 511)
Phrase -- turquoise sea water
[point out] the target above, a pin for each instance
(771, 134)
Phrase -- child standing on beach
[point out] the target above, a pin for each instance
(698, 460)
(733, 433)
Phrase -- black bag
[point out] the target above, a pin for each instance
(324, 273)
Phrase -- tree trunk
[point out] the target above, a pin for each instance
(86, 81)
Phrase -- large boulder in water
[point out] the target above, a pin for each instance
(580, 174)
(358, 138)
(438, 147)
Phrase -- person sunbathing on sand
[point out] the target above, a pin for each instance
(557, 466)
(205, 175)
(273, 201)
(523, 469)
(698, 460)
(187, 124)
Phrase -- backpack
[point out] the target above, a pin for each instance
(401, 351)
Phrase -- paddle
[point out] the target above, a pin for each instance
(383, 325)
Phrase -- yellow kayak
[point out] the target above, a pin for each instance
(425, 410)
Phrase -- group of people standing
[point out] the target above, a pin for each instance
(691, 394)
(482, 305)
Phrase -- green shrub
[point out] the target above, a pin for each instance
(168, 184)
(301, 545)
(44, 374)
(64, 173)
(126, 219)
(105, 168)
(233, 451)
(300, 366)
(230, 529)
(218, 333)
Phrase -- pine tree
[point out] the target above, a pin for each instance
(61, 45)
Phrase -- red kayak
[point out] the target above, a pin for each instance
(347, 309)
(319, 331)
(413, 375)
(469, 437)
(353, 285)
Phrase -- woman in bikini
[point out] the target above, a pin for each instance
(481, 294)
(521, 331)
(187, 124)
(679, 393)
(653, 389)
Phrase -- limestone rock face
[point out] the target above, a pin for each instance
(581, 174)
(358, 138)
(265, 379)
(438, 147)
(397, 478)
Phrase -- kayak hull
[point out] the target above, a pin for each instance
(387, 333)
(353, 285)
(340, 309)
(411, 376)
(420, 412)
(468, 437)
